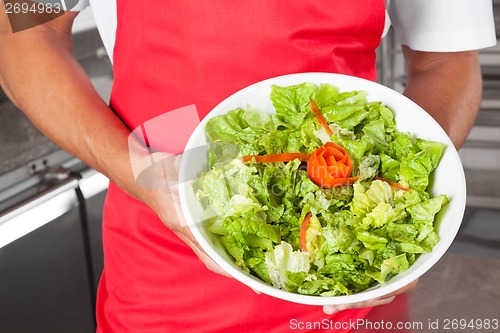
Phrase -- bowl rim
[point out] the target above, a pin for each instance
(378, 291)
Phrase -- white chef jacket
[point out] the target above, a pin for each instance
(423, 25)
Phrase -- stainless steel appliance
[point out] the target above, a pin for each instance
(50, 246)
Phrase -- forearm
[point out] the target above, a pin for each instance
(39, 73)
(448, 86)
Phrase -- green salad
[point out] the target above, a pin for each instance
(324, 197)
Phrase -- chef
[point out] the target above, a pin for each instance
(171, 54)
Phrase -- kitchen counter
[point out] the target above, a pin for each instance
(459, 289)
(20, 141)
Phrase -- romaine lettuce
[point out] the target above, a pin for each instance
(359, 234)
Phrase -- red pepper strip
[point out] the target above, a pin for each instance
(319, 117)
(393, 184)
(282, 157)
(330, 166)
(303, 230)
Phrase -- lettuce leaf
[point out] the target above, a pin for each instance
(361, 234)
(416, 168)
(292, 103)
(286, 265)
(232, 127)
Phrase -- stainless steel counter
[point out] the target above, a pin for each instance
(20, 141)
(459, 294)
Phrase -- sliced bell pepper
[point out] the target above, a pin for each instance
(303, 231)
(319, 117)
(310, 235)
(393, 184)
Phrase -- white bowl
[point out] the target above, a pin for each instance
(448, 179)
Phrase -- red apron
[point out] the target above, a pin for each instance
(170, 54)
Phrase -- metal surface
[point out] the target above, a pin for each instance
(75, 195)
(20, 141)
(93, 187)
(90, 192)
(37, 211)
(92, 183)
(43, 277)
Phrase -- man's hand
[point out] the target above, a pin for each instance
(159, 181)
(164, 203)
(331, 309)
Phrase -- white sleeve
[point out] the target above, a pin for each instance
(106, 19)
(443, 25)
(82, 4)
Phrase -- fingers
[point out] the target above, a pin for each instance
(169, 214)
(162, 172)
(156, 174)
(331, 309)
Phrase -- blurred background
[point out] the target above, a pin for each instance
(50, 202)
